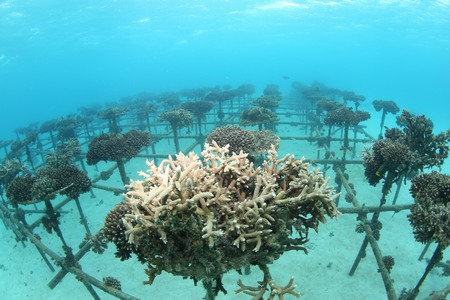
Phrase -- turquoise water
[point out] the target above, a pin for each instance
(56, 58)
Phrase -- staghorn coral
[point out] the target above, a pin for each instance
(272, 90)
(200, 220)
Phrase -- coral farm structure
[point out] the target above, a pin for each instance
(201, 220)
(107, 206)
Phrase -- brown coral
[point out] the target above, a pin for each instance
(237, 138)
(430, 214)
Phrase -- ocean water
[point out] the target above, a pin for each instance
(56, 57)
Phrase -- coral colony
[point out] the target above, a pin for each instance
(221, 198)
(200, 220)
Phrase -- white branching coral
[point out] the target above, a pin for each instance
(200, 219)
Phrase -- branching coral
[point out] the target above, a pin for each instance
(64, 154)
(345, 117)
(268, 284)
(66, 180)
(258, 116)
(386, 107)
(200, 220)
(9, 169)
(264, 141)
(270, 102)
(384, 157)
(112, 114)
(19, 190)
(430, 214)
(430, 217)
(177, 118)
(117, 147)
(66, 128)
(199, 110)
(429, 150)
(406, 151)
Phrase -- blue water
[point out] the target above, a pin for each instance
(57, 57)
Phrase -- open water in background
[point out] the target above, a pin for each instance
(57, 56)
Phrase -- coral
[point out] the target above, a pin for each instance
(114, 230)
(389, 262)
(264, 139)
(64, 154)
(270, 102)
(268, 284)
(199, 110)
(344, 116)
(200, 220)
(66, 128)
(237, 138)
(19, 190)
(359, 227)
(430, 213)
(111, 114)
(114, 146)
(177, 118)
(112, 282)
(272, 90)
(9, 169)
(327, 105)
(429, 150)
(351, 96)
(257, 116)
(406, 151)
(66, 180)
(386, 155)
(385, 105)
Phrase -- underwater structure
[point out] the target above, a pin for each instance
(225, 195)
